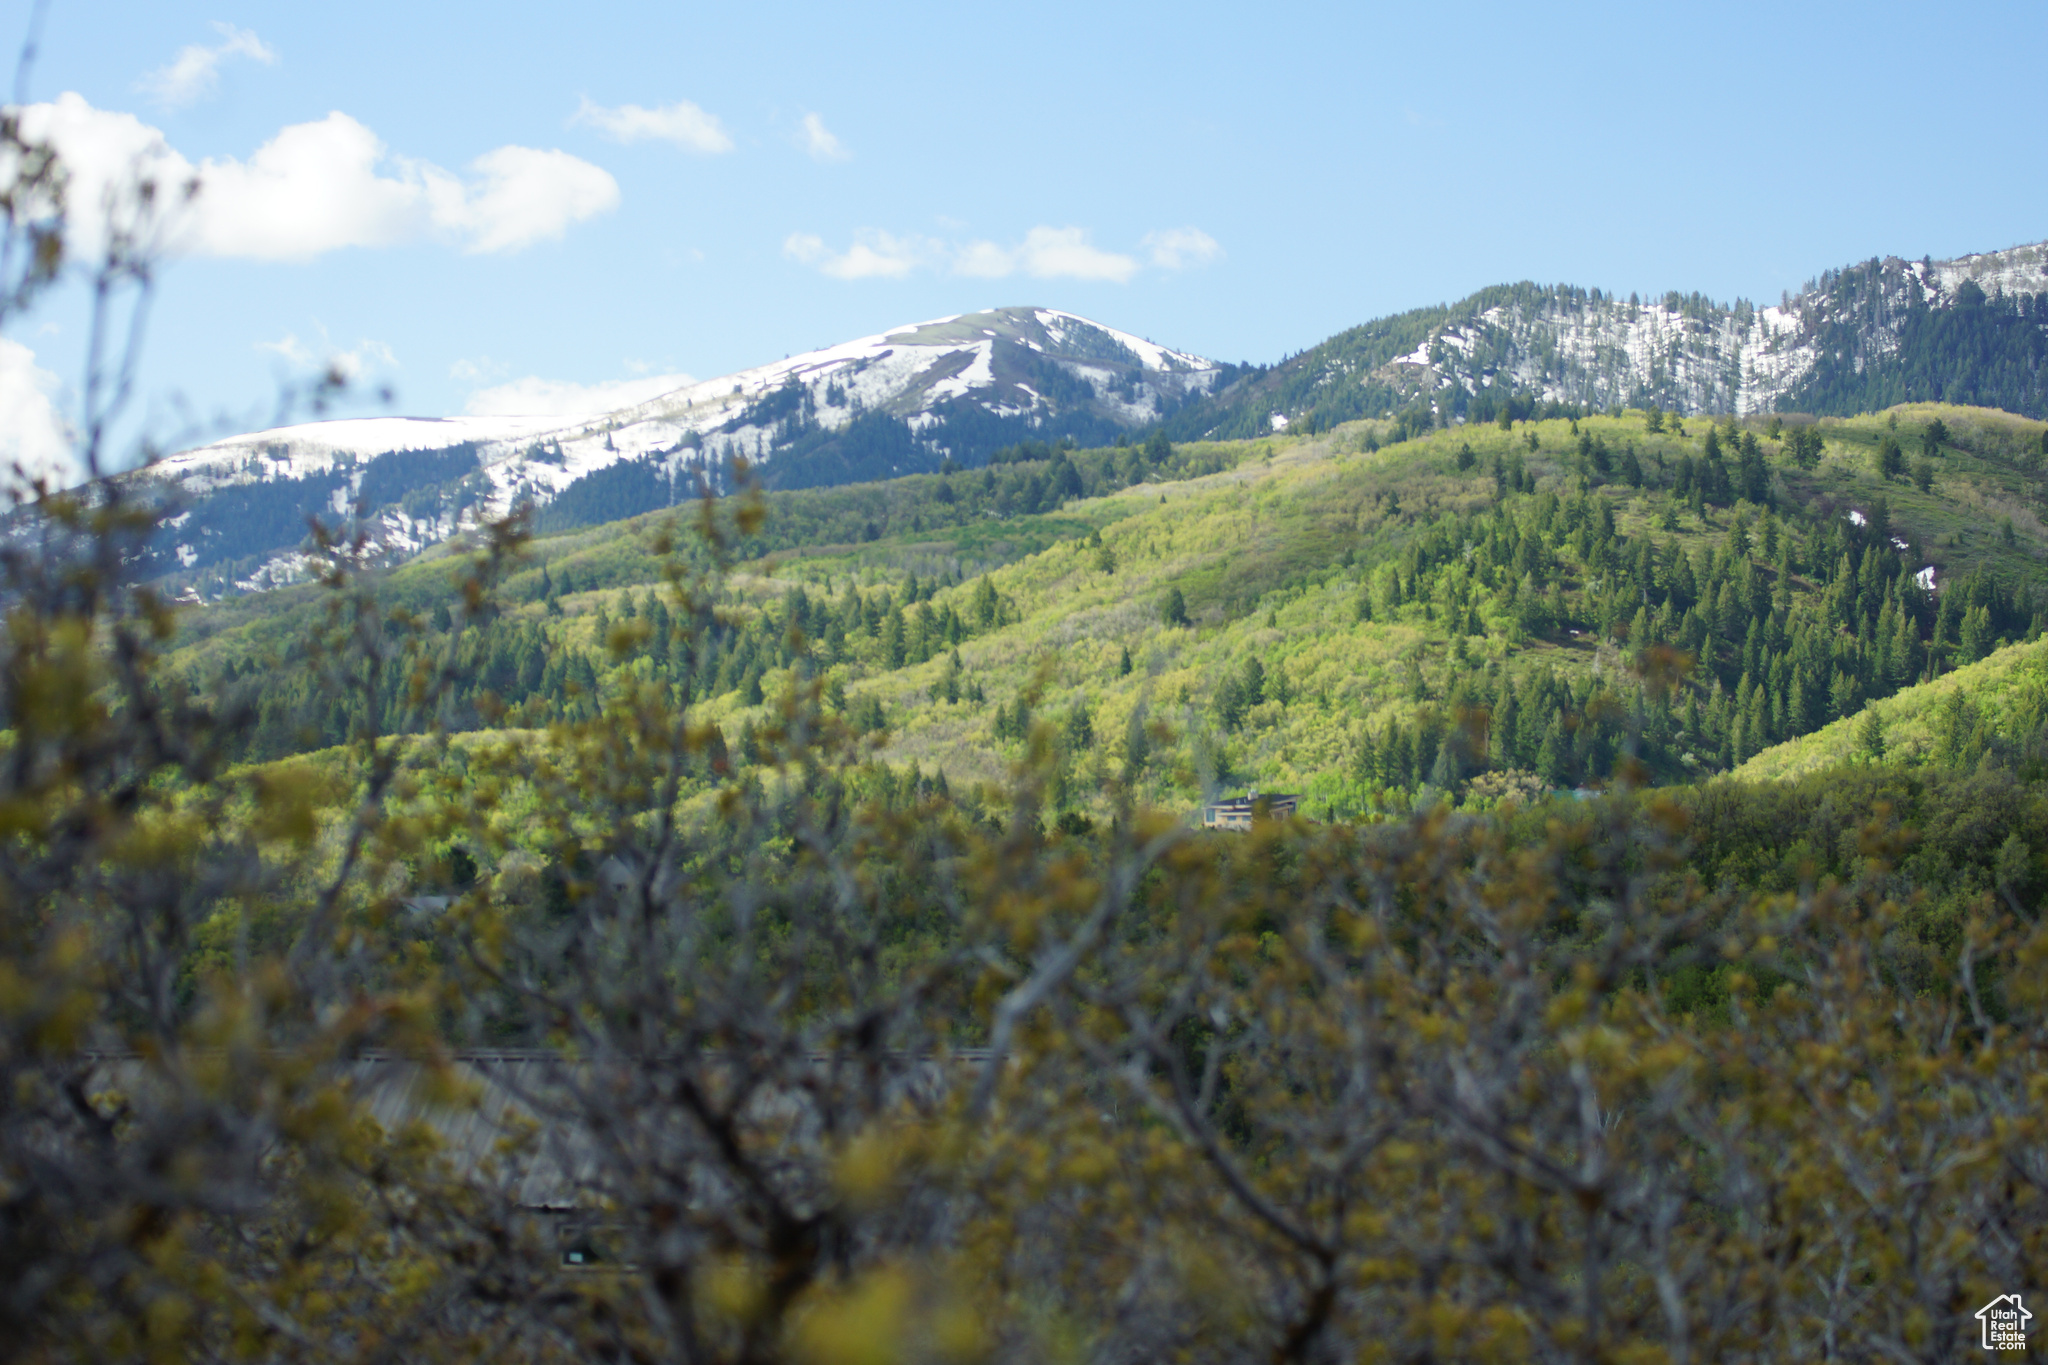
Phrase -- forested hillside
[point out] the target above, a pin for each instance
(1971, 331)
(1857, 339)
(1368, 616)
(1996, 709)
(868, 806)
(1989, 350)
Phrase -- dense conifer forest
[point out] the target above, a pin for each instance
(1987, 352)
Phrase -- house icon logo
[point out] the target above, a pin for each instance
(2005, 1321)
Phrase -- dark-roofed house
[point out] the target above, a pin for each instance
(1237, 813)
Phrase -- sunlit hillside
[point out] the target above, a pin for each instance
(1366, 616)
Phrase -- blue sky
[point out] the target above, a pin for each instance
(492, 204)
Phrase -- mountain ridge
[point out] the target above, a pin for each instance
(956, 387)
(962, 387)
(1826, 350)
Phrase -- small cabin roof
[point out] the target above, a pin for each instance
(1251, 800)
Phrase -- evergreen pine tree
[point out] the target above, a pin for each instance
(1550, 754)
(1887, 459)
(1842, 694)
(895, 641)
(1137, 745)
(1080, 729)
(1977, 637)
(1368, 760)
(1502, 725)
(985, 606)
(1905, 650)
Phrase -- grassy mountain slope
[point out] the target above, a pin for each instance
(1272, 557)
(1462, 610)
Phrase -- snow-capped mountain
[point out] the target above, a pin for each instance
(1969, 330)
(896, 402)
(1859, 338)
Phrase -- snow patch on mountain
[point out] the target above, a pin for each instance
(2017, 270)
(315, 447)
(1152, 357)
(468, 468)
(1686, 354)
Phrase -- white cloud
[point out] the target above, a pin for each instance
(984, 260)
(820, 142)
(536, 397)
(681, 123)
(33, 432)
(351, 363)
(1064, 253)
(294, 351)
(1176, 248)
(314, 188)
(482, 370)
(1046, 253)
(195, 72)
(873, 255)
(522, 195)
